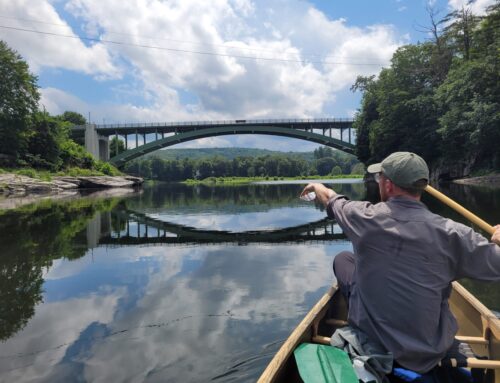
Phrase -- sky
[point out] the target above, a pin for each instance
(120, 61)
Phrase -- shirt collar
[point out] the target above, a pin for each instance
(406, 202)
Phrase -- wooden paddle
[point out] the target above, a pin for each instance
(460, 209)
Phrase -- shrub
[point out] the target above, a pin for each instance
(74, 155)
(28, 172)
(106, 168)
(75, 172)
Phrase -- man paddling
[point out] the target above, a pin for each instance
(398, 280)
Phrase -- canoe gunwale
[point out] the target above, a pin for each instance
(309, 323)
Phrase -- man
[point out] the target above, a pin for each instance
(398, 280)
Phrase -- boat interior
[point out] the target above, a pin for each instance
(478, 328)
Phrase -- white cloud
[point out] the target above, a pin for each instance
(478, 7)
(168, 85)
(56, 101)
(43, 50)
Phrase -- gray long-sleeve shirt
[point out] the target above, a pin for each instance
(406, 258)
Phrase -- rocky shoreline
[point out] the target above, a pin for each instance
(490, 180)
(13, 186)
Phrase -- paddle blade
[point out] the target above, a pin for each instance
(319, 363)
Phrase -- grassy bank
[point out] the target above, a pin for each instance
(246, 180)
(45, 175)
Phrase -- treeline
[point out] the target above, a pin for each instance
(327, 162)
(30, 137)
(440, 98)
(173, 153)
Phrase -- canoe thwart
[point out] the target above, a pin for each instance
(471, 362)
(336, 322)
(472, 340)
(321, 339)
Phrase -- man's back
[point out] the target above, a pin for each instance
(406, 258)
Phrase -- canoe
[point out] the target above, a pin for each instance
(478, 327)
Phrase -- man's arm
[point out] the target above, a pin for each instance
(323, 194)
(495, 238)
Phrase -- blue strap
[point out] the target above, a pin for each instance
(406, 375)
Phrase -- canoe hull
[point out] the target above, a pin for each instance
(478, 326)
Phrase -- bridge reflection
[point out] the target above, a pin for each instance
(131, 228)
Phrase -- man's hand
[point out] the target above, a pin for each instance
(496, 235)
(323, 194)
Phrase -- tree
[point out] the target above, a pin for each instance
(205, 168)
(113, 150)
(399, 111)
(336, 171)
(358, 169)
(365, 117)
(324, 165)
(44, 142)
(73, 117)
(460, 30)
(471, 113)
(18, 102)
(322, 152)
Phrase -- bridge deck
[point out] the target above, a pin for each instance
(186, 126)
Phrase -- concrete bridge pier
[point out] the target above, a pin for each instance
(96, 144)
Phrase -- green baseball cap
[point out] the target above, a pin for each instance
(402, 168)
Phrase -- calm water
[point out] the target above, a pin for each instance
(174, 283)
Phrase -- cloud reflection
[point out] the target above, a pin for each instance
(196, 307)
(268, 220)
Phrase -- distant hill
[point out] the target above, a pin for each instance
(228, 153)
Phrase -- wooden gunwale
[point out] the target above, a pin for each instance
(296, 337)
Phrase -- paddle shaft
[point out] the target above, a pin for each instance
(460, 209)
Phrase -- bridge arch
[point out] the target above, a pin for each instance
(178, 138)
(324, 229)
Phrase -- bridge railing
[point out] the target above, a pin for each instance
(223, 122)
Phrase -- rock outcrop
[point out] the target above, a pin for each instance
(491, 180)
(18, 185)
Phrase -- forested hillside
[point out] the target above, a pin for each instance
(439, 98)
(323, 161)
(227, 153)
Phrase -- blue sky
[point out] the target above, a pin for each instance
(152, 61)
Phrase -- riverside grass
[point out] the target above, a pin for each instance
(246, 180)
(46, 175)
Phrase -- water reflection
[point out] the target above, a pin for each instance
(127, 289)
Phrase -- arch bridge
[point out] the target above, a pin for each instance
(140, 139)
(141, 229)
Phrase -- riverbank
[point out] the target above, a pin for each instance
(489, 180)
(247, 180)
(18, 189)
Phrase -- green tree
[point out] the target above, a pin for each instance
(470, 105)
(322, 152)
(18, 102)
(398, 110)
(325, 165)
(113, 149)
(157, 168)
(358, 169)
(336, 171)
(44, 143)
(73, 117)
(205, 168)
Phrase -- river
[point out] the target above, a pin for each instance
(172, 282)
